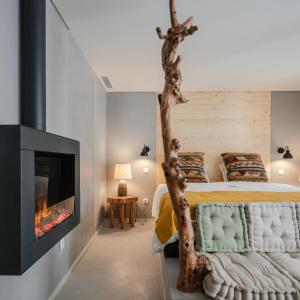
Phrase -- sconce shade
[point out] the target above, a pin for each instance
(287, 153)
(280, 150)
(122, 171)
(145, 151)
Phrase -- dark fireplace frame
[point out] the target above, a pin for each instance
(19, 247)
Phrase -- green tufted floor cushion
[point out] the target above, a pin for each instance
(221, 227)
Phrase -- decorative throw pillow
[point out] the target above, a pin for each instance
(244, 167)
(273, 227)
(221, 227)
(192, 165)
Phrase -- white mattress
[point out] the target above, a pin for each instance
(156, 246)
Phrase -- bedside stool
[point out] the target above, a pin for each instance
(122, 201)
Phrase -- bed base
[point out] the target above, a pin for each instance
(169, 270)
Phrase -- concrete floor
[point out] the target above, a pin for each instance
(117, 266)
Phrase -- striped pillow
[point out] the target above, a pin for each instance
(244, 167)
(192, 165)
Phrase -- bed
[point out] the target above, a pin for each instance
(165, 229)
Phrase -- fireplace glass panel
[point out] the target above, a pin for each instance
(54, 190)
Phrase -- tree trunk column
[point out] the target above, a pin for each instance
(192, 267)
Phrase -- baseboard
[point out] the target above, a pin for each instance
(75, 263)
(100, 227)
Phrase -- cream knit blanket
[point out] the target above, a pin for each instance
(253, 275)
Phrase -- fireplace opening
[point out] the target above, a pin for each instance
(54, 190)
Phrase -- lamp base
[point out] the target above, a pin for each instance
(122, 189)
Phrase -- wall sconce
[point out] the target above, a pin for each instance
(287, 154)
(145, 151)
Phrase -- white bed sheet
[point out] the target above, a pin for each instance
(156, 246)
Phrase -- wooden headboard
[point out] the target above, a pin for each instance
(217, 122)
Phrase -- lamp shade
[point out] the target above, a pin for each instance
(122, 171)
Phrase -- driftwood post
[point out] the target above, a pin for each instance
(192, 267)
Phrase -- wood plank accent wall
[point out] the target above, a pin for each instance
(217, 122)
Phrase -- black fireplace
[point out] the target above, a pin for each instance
(39, 194)
(39, 171)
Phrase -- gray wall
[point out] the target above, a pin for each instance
(100, 110)
(131, 123)
(76, 108)
(9, 62)
(285, 126)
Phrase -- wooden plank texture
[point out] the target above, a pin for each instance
(217, 122)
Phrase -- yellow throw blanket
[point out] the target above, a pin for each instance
(166, 222)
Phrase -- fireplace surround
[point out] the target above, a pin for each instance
(20, 150)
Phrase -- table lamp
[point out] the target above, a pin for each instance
(122, 172)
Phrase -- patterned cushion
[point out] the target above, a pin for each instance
(273, 227)
(192, 165)
(221, 227)
(244, 167)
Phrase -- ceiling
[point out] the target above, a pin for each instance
(240, 45)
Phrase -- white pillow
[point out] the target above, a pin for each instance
(206, 172)
(223, 171)
(273, 227)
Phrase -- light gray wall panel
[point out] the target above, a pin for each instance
(81, 87)
(131, 123)
(9, 62)
(57, 64)
(285, 131)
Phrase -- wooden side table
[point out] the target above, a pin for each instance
(122, 201)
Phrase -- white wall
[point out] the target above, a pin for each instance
(76, 108)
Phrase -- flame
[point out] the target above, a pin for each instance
(48, 218)
(45, 212)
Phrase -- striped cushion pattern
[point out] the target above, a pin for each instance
(192, 165)
(244, 167)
